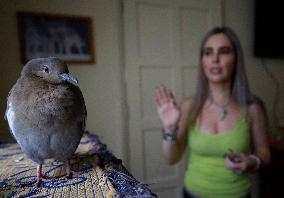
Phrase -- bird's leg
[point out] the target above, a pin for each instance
(38, 174)
(39, 177)
(69, 173)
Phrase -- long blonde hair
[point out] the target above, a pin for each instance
(240, 91)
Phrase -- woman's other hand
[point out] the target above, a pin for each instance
(240, 163)
(167, 108)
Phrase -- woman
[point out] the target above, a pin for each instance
(224, 125)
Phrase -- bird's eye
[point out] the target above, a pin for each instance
(45, 69)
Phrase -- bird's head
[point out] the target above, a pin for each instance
(52, 70)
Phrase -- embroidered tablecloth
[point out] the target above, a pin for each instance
(97, 173)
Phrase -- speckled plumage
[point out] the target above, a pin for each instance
(46, 112)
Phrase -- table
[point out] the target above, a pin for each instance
(97, 173)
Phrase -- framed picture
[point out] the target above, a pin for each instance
(69, 38)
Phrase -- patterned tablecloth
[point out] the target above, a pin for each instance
(97, 173)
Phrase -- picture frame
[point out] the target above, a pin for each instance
(67, 37)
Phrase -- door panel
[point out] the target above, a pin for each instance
(162, 39)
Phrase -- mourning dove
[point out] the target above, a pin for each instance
(46, 112)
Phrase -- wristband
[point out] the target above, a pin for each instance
(258, 161)
(169, 137)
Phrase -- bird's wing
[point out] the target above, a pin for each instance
(84, 109)
(85, 117)
(9, 114)
(8, 106)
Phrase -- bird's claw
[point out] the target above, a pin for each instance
(69, 175)
(38, 182)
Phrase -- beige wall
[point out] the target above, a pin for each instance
(102, 83)
(240, 15)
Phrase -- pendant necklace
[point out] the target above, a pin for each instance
(221, 108)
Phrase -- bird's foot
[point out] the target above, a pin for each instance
(38, 182)
(69, 172)
(39, 175)
(69, 175)
(28, 184)
(44, 177)
(39, 179)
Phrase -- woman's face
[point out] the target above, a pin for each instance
(218, 58)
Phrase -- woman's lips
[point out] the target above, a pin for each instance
(215, 70)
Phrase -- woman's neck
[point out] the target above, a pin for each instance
(220, 93)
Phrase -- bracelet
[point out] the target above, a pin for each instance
(169, 137)
(258, 161)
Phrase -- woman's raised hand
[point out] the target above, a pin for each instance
(167, 109)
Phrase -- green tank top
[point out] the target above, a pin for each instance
(206, 173)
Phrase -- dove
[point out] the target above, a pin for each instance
(46, 112)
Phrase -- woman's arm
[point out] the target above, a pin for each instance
(173, 150)
(174, 123)
(259, 130)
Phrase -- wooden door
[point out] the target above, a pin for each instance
(162, 40)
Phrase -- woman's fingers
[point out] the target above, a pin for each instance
(158, 98)
(167, 93)
(237, 163)
(234, 167)
(166, 107)
(172, 98)
(163, 95)
(229, 163)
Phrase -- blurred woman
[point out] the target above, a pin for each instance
(224, 125)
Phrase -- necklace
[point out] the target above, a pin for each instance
(221, 108)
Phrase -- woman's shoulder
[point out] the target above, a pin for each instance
(256, 108)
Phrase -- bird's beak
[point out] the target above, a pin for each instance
(68, 78)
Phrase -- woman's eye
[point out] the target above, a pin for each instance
(206, 53)
(225, 50)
